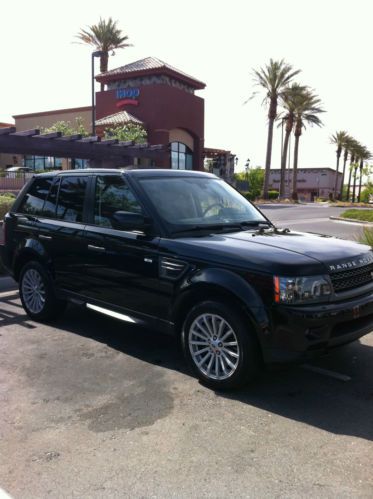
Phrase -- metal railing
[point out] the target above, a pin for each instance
(14, 181)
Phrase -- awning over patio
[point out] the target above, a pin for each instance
(31, 142)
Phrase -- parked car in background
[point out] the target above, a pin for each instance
(14, 170)
(185, 253)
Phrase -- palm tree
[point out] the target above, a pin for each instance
(306, 113)
(274, 78)
(359, 153)
(347, 146)
(353, 149)
(104, 36)
(291, 98)
(339, 139)
(364, 157)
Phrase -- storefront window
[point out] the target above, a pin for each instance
(42, 162)
(181, 156)
(79, 164)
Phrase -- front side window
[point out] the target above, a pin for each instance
(71, 198)
(33, 202)
(112, 194)
(181, 156)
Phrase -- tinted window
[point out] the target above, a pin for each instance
(33, 202)
(49, 209)
(113, 194)
(71, 198)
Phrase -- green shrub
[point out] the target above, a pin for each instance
(273, 194)
(248, 195)
(364, 215)
(5, 204)
(367, 237)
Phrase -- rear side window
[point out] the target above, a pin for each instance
(113, 194)
(71, 198)
(50, 205)
(33, 201)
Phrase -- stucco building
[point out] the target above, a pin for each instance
(311, 182)
(150, 93)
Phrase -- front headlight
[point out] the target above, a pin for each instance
(294, 290)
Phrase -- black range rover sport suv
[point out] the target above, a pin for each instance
(183, 252)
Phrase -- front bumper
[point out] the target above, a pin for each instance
(302, 332)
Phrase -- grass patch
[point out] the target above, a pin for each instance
(364, 215)
(6, 201)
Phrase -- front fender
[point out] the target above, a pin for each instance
(233, 284)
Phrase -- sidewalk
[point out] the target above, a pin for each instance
(352, 220)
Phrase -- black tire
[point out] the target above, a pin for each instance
(46, 306)
(247, 356)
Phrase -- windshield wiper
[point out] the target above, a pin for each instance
(262, 224)
(223, 227)
(208, 228)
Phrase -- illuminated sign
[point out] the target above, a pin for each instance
(128, 93)
(127, 96)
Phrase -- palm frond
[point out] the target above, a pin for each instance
(274, 76)
(105, 36)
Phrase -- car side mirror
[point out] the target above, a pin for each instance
(126, 220)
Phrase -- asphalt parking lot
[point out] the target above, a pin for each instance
(91, 407)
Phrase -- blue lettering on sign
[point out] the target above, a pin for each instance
(128, 93)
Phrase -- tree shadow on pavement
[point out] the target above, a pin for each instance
(10, 312)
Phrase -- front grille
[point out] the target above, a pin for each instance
(352, 278)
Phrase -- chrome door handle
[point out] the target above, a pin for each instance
(92, 247)
(42, 236)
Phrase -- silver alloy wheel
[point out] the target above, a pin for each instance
(214, 347)
(33, 291)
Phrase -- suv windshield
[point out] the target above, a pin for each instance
(191, 203)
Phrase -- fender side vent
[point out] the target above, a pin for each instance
(171, 269)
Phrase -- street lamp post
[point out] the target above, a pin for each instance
(98, 53)
(247, 168)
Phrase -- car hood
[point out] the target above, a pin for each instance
(292, 253)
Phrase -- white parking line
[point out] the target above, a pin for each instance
(326, 372)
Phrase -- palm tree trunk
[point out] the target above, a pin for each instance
(360, 179)
(354, 189)
(336, 176)
(268, 158)
(349, 180)
(294, 194)
(271, 120)
(104, 61)
(283, 163)
(343, 173)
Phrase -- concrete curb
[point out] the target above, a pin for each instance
(352, 220)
